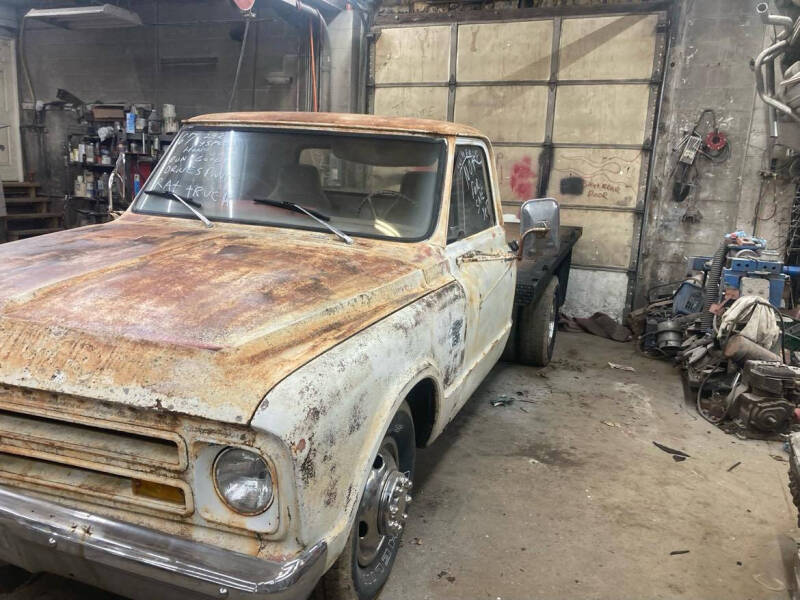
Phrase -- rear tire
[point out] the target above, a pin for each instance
(538, 324)
(364, 565)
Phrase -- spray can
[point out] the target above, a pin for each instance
(137, 183)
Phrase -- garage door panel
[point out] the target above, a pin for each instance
(513, 113)
(420, 102)
(596, 176)
(518, 173)
(592, 291)
(606, 239)
(607, 47)
(505, 51)
(601, 114)
(597, 112)
(413, 55)
(5, 155)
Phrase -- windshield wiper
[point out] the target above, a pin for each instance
(320, 218)
(187, 202)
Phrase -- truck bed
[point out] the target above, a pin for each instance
(534, 275)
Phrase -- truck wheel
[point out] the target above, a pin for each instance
(366, 561)
(538, 324)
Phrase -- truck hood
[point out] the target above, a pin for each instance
(161, 313)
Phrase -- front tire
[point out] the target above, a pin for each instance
(368, 556)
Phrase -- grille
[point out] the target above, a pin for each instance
(86, 442)
(81, 483)
(90, 457)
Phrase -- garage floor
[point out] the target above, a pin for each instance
(562, 494)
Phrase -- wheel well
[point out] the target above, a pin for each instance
(422, 402)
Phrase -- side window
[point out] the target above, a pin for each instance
(471, 205)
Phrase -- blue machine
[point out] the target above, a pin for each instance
(773, 271)
(744, 261)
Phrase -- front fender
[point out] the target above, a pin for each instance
(334, 411)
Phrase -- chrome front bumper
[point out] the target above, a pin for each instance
(142, 563)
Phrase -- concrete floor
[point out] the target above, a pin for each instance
(563, 495)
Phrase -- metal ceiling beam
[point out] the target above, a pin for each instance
(516, 14)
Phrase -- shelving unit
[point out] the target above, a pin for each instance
(29, 213)
(141, 149)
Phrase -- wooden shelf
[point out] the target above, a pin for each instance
(32, 216)
(9, 186)
(29, 214)
(91, 165)
(24, 200)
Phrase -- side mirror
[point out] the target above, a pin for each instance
(538, 223)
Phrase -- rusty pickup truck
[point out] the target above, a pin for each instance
(220, 394)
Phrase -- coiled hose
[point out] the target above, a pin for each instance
(711, 292)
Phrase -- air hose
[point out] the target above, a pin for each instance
(711, 292)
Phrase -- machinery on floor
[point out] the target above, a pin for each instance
(724, 326)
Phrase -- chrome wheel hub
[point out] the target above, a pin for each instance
(382, 512)
(551, 326)
(392, 511)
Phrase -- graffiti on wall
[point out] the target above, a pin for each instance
(520, 176)
(609, 180)
(595, 177)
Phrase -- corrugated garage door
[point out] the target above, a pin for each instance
(569, 104)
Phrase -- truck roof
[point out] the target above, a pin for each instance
(344, 121)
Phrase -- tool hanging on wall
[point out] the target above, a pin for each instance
(713, 146)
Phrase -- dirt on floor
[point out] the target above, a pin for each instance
(562, 494)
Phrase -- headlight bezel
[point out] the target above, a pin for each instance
(227, 502)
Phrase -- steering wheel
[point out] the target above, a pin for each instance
(398, 196)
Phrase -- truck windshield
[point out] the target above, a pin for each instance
(364, 185)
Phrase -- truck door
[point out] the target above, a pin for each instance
(479, 259)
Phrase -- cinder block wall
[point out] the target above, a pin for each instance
(185, 54)
(714, 42)
(168, 59)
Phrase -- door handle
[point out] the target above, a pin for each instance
(477, 256)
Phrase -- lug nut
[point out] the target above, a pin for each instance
(405, 516)
(394, 510)
(408, 498)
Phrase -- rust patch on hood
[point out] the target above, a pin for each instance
(156, 312)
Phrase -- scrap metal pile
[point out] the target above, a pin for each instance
(724, 326)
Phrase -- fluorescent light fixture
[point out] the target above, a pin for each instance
(105, 16)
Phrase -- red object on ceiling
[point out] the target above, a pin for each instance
(244, 4)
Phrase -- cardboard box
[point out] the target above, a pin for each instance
(106, 112)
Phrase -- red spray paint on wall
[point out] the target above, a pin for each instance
(523, 178)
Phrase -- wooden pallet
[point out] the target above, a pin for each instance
(29, 213)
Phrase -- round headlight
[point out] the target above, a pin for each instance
(243, 481)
